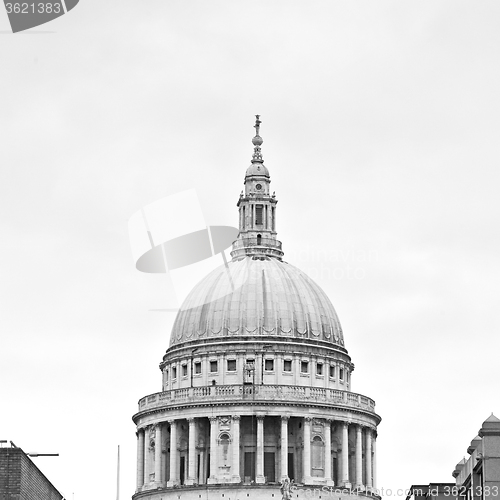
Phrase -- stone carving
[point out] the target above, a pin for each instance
(224, 421)
(286, 489)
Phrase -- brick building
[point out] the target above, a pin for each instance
(21, 479)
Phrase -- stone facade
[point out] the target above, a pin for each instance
(477, 477)
(256, 383)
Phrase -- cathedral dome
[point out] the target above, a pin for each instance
(261, 297)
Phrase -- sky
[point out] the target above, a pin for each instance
(380, 123)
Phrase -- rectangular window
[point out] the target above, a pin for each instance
(287, 365)
(231, 365)
(258, 214)
(319, 369)
(341, 374)
(332, 371)
(166, 375)
(197, 367)
(184, 370)
(174, 372)
(213, 366)
(304, 367)
(269, 365)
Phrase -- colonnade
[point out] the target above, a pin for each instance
(150, 439)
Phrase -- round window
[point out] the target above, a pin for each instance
(258, 187)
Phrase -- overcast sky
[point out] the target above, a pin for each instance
(381, 126)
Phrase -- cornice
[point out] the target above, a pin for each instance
(353, 411)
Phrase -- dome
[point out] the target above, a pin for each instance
(257, 169)
(256, 298)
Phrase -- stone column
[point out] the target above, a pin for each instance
(140, 458)
(368, 457)
(284, 446)
(306, 472)
(191, 479)
(339, 467)
(236, 450)
(158, 439)
(260, 479)
(374, 464)
(328, 451)
(147, 443)
(213, 451)
(345, 455)
(201, 472)
(359, 457)
(174, 469)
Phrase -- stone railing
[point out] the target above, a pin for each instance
(258, 393)
(252, 242)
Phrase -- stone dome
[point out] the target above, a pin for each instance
(256, 169)
(257, 297)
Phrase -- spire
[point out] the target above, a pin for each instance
(257, 142)
(257, 208)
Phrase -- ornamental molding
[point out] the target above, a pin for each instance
(224, 422)
(244, 404)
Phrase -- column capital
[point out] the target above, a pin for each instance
(190, 420)
(213, 420)
(285, 418)
(171, 421)
(260, 416)
(329, 420)
(236, 417)
(308, 419)
(345, 423)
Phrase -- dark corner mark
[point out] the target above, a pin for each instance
(27, 14)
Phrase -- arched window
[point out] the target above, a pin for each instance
(224, 442)
(318, 454)
(259, 239)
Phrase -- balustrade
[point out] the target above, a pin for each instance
(288, 393)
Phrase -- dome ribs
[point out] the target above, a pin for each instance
(259, 298)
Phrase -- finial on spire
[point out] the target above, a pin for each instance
(257, 141)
